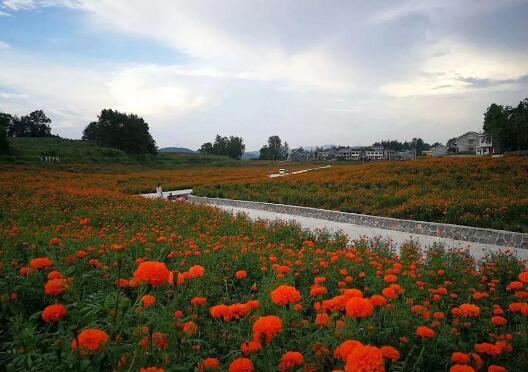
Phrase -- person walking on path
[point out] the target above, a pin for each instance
(159, 191)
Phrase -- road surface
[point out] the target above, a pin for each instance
(356, 231)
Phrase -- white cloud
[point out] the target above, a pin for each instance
(4, 45)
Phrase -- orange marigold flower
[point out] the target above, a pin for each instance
(390, 278)
(425, 332)
(378, 300)
(358, 307)
(343, 350)
(523, 277)
(148, 301)
(190, 328)
(489, 349)
(460, 358)
(515, 286)
(241, 275)
(496, 368)
(390, 293)
(318, 290)
(151, 369)
(284, 295)
(24, 271)
(322, 319)
(54, 313)
(251, 347)
(90, 341)
(267, 326)
(461, 368)
(241, 365)
(469, 310)
(54, 275)
(209, 365)
(198, 301)
(390, 353)
(41, 263)
(152, 272)
(55, 287)
(196, 271)
(290, 360)
(499, 320)
(365, 358)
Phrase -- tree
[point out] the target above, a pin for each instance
(274, 150)
(36, 124)
(233, 147)
(127, 132)
(300, 154)
(451, 145)
(206, 148)
(507, 126)
(5, 120)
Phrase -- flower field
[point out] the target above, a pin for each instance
(94, 279)
(481, 192)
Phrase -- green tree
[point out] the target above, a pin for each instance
(35, 124)
(5, 120)
(127, 132)
(225, 146)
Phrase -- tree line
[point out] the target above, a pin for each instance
(507, 126)
(231, 146)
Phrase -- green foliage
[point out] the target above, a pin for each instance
(274, 150)
(127, 132)
(231, 146)
(508, 126)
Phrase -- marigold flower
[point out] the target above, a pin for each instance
(267, 326)
(343, 350)
(55, 287)
(190, 328)
(523, 277)
(377, 301)
(241, 275)
(54, 275)
(90, 341)
(358, 307)
(284, 295)
(198, 301)
(318, 290)
(290, 360)
(499, 320)
(460, 358)
(196, 271)
(54, 313)
(365, 358)
(425, 332)
(209, 365)
(152, 272)
(251, 347)
(469, 310)
(41, 263)
(489, 349)
(322, 319)
(390, 278)
(151, 369)
(148, 301)
(390, 353)
(461, 368)
(241, 365)
(496, 368)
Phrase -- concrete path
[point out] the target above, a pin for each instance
(296, 172)
(356, 231)
(166, 193)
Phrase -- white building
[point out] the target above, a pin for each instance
(439, 150)
(485, 145)
(374, 153)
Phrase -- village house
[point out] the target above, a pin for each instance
(439, 150)
(477, 143)
(374, 153)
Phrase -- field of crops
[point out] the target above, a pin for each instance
(481, 192)
(93, 279)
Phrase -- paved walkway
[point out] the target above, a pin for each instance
(355, 231)
(296, 172)
(166, 193)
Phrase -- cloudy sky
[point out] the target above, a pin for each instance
(313, 72)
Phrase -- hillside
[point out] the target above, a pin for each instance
(177, 150)
(30, 150)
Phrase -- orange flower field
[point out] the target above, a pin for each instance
(472, 191)
(95, 279)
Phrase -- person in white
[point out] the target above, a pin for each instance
(159, 191)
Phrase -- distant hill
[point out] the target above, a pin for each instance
(179, 150)
(251, 155)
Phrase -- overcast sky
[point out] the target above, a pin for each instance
(313, 72)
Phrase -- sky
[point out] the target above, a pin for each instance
(314, 72)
